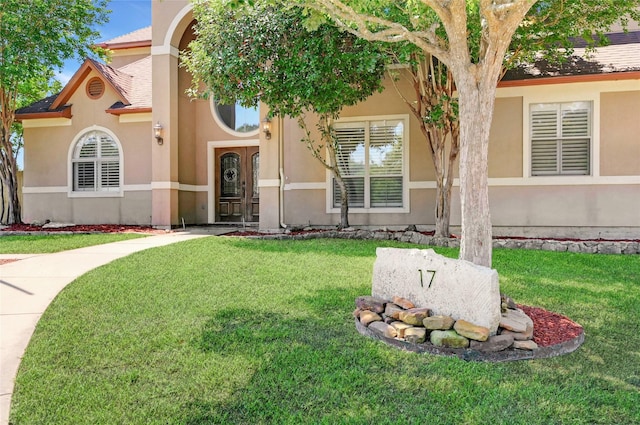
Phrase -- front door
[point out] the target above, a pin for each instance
(237, 196)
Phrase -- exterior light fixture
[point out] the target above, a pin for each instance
(157, 133)
(266, 127)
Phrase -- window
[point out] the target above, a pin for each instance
(236, 119)
(560, 138)
(371, 161)
(96, 163)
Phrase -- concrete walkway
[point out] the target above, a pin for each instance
(28, 286)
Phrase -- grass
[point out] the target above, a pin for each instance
(47, 244)
(236, 331)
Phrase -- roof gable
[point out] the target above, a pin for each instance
(117, 80)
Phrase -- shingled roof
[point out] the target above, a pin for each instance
(138, 38)
(622, 54)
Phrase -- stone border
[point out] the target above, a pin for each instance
(468, 354)
(582, 246)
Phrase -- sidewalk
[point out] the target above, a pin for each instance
(28, 286)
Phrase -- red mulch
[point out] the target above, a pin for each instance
(100, 228)
(550, 328)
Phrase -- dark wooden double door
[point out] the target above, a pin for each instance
(237, 193)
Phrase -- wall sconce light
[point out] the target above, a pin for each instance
(157, 133)
(266, 127)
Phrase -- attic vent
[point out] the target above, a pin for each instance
(95, 88)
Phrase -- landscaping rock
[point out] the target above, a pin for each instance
(401, 327)
(370, 303)
(441, 323)
(383, 329)
(403, 302)
(519, 336)
(367, 317)
(471, 331)
(493, 344)
(525, 345)
(414, 316)
(393, 310)
(415, 335)
(448, 339)
(515, 320)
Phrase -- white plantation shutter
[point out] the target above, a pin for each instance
(351, 162)
(96, 163)
(560, 138)
(370, 158)
(385, 163)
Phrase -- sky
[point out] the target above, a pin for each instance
(125, 16)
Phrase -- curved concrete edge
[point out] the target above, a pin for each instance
(468, 354)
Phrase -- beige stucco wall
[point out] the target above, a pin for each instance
(505, 139)
(620, 134)
(47, 172)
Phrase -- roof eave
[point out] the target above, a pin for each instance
(125, 45)
(123, 111)
(64, 113)
(565, 79)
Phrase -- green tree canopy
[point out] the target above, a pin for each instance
(36, 37)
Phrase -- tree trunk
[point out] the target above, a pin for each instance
(476, 112)
(344, 194)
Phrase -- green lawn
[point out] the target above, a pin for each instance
(237, 331)
(47, 244)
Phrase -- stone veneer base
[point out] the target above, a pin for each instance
(468, 354)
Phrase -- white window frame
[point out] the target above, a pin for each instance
(367, 209)
(98, 193)
(557, 108)
(559, 93)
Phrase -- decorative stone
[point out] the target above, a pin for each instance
(415, 335)
(414, 316)
(511, 304)
(519, 336)
(383, 329)
(525, 345)
(367, 317)
(448, 339)
(356, 313)
(449, 287)
(393, 310)
(471, 331)
(400, 327)
(370, 303)
(516, 321)
(441, 323)
(493, 344)
(403, 302)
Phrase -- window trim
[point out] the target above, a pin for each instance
(564, 93)
(406, 207)
(70, 161)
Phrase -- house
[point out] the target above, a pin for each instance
(123, 143)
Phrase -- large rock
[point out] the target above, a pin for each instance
(414, 316)
(393, 311)
(449, 287)
(493, 344)
(415, 335)
(400, 328)
(438, 323)
(370, 303)
(367, 317)
(449, 339)
(516, 321)
(383, 329)
(471, 331)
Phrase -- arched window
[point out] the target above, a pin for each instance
(96, 163)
